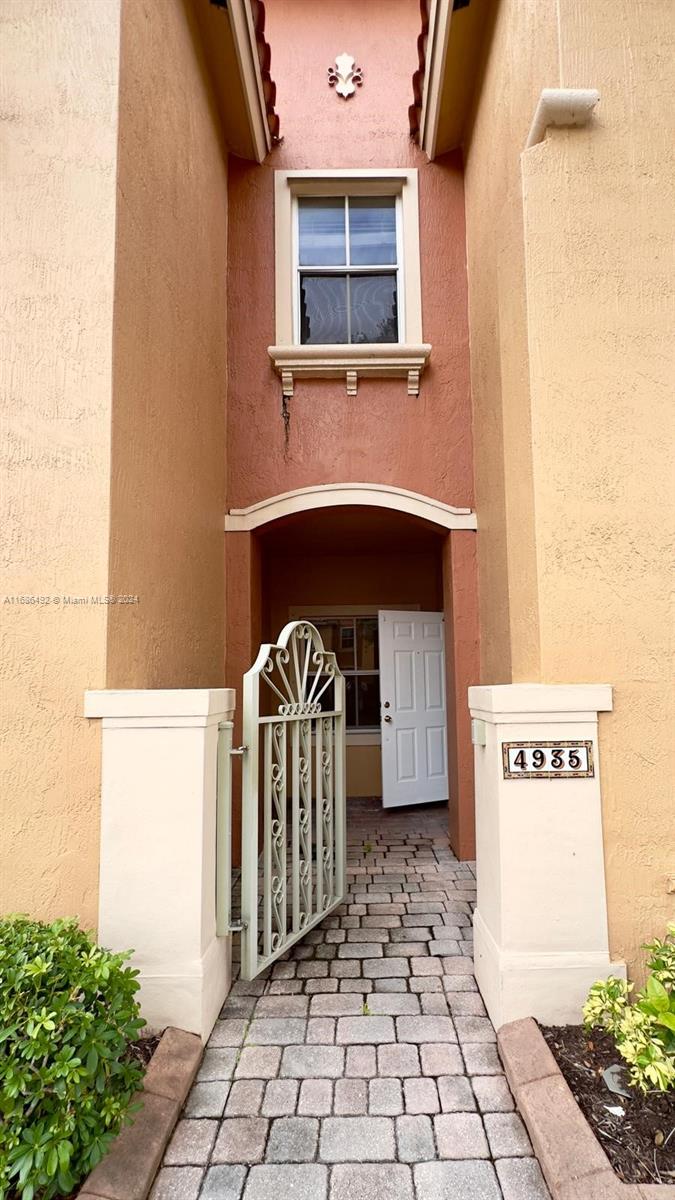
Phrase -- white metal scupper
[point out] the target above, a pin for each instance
(293, 794)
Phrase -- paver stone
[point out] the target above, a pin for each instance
(308, 1181)
(367, 1181)
(292, 1140)
(357, 1139)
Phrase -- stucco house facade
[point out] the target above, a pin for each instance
(321, 312)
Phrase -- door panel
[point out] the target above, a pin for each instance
(434, 684)
(404, 681)
(413, 712)
(436, 752)
(406, 753)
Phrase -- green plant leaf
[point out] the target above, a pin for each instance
(64, 1152)
(657, 994)
(667, 1019)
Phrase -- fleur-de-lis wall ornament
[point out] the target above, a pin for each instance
(345, 76)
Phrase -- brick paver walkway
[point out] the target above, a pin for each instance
(364, 1066)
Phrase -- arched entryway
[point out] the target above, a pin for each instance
(340, 555)
(352, 495)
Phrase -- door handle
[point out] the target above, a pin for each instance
(387, 718)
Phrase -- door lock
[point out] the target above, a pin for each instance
(388, 718)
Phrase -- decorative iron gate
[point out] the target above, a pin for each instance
(293, 794)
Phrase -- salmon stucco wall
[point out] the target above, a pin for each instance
(382, 435)
(60, 78)
(462, 666)
(593, 290)
(169, 365)
(307, 584)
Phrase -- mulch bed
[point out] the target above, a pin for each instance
(640, 1144)
(143, 1049)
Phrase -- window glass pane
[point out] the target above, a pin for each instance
(367, 657)
(372, 230)
(322, 232)
(338, 636)
(344, 650)
(323, 309)
(373, 304)
(350, 700)
(327, 698)
(368, 700)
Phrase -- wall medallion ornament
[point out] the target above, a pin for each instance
(345, 76)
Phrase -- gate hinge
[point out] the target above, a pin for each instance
(239, 750)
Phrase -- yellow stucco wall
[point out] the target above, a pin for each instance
(589, 533)
(364, 770)
(169, 365)
(522, 59)
(60, 73)
(116, 327)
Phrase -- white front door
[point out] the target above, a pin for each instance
(413, 717)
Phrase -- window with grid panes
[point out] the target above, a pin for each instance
(348, 266)
(354, 641)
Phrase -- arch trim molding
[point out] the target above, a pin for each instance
(333, 495)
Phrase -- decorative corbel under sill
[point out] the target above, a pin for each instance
(381, 361)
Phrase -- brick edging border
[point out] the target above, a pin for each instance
(573, 1162)
(129, 1168)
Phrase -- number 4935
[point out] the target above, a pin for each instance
(547, 759)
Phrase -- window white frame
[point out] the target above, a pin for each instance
(397, 269)
(409, 355)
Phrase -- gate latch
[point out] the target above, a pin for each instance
(239, 750)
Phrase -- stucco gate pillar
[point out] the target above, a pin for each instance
(157, 893)
(540, 926)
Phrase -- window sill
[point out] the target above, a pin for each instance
(357, 737)
(380, 361)
(369, 737)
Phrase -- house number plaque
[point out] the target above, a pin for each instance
(547, 760)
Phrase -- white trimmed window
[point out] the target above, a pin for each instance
(348, 295)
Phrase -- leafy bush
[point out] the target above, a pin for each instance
(67, 1014)
(644, 1032)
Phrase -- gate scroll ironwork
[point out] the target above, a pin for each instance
(293, 794)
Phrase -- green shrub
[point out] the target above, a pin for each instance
(67, 1014)
(644, 1032)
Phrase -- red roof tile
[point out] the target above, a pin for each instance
(265, 60)
(415, 110)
